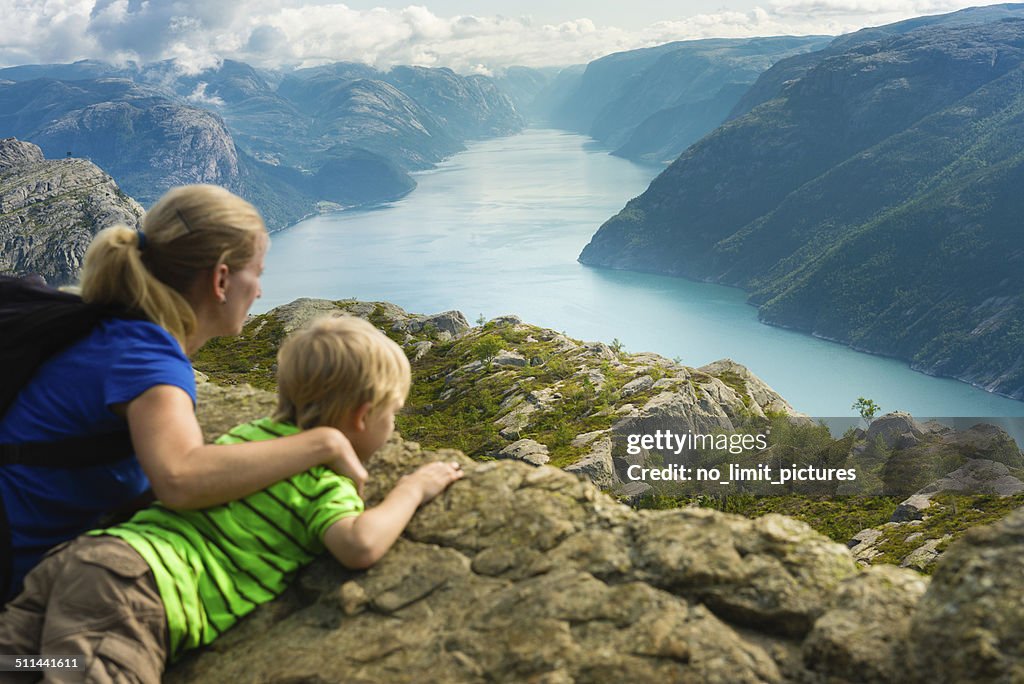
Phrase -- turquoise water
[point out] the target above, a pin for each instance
(497, 230)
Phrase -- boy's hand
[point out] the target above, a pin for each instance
(342, 458)
(433, 478)
(359, 541)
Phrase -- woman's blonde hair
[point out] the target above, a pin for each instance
(334, 366)
(191, 230)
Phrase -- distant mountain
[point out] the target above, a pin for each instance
(134, 132)
(523, 86)
(549, 101)
(652, 103)
(140, 136)
(50, 209)
(82, 70)
(472, 105)
(873, 199)
(412, 116)
(345, 134)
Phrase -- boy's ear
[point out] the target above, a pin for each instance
(360, 415)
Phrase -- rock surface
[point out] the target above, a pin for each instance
(526, 450)
(968, 626)
(520, 573)
(51, 209)
(523, 573)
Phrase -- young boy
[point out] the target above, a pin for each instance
(131, 597)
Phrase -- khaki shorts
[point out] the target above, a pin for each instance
(93, 597)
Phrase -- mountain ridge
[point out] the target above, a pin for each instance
(869, 202)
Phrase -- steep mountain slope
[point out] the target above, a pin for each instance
(144, 138)
(872, 201)
(472, 106)
(523, 86)
(340, 133)
(51, 209)
(653, 102)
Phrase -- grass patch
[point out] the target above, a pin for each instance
(838, 518)
(247, 358)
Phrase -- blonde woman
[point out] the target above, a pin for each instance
(190, 274)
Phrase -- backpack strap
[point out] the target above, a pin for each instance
(37, 322)
(6, 557)
(71, 452)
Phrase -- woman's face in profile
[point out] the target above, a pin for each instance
(242, 289)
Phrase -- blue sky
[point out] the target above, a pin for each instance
(467, 35)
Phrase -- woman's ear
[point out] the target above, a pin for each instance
(221, 272)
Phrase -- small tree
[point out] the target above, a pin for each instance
(481, 319)
(486, 348)
(867, 409)
(617, 345)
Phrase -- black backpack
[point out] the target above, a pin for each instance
(36, 322)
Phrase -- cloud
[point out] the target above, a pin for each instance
(199, 97)
(199, 33)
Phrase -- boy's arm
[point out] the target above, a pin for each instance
(359, 541)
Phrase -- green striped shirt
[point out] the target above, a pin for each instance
(214, 566)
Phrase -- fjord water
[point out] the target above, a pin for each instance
(497, 229)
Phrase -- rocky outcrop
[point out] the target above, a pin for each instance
(519, 573)
(51, 209)
(170, 144)
(946, 469)
(573, 405)
(978, 476)
(967, 627)
(507, 389)
(529, 573)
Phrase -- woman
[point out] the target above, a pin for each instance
(192, 273)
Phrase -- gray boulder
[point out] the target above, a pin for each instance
(451, 322)
(896, 430)
(968, 625)
(978, 476)
(527, 450)
(509, 358)
(863, 634)
(597, 465)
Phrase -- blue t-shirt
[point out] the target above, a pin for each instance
(70, 396)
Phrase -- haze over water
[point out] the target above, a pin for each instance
(497, 230)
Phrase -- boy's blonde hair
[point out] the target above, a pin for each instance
(189, 231)
(334, 366)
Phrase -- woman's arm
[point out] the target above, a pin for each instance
(186, 473)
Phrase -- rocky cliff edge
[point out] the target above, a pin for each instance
(525, 573)
(521, 573)
(51, 209)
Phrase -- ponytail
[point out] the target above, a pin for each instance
(187, 233)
